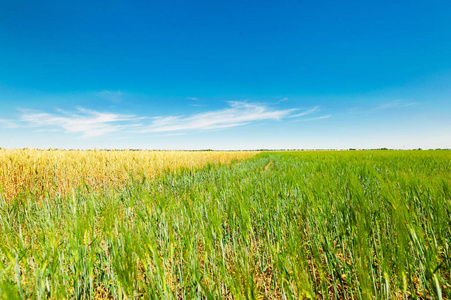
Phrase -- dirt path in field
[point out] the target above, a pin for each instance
(269, 165)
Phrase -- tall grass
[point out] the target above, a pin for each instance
(326, 225)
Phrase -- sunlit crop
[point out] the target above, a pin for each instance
(57, 172)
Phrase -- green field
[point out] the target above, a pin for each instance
(288, 225)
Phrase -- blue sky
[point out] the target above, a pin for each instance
(225, 74)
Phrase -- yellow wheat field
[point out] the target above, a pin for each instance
(58, 172)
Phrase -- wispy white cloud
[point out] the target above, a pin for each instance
(385, 106)
(8, 123)
(89, 123)
(394, 104)
(113, 96)
(238, 114)
(316, 118)
(304, 113)
(282, 100)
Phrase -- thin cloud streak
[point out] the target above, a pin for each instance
(307, 112)
(317, 118)
(394, 104)
(239, 114)
(282, 100)
(89, 123)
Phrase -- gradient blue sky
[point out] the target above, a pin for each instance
(225, 74)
